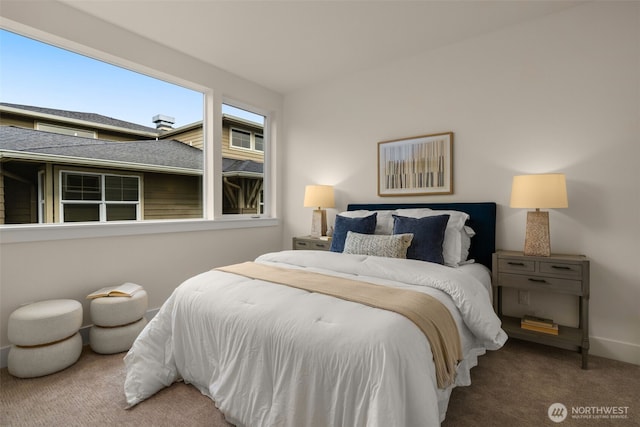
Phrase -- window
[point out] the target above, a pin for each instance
(258, 143)
(243, 161)
(41, 197)
(64, 130)
(99, 197)
(119, 111)
(131, 170)
(246, 140)
(240, 139)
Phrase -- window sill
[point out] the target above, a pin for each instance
(50, 232)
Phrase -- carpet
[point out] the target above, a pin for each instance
(513, 386)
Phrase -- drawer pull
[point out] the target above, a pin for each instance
(520, 264)
(561, 267)
(537, 280)
(319, 245)
(302, 243)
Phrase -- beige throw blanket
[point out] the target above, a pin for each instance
(429, 314)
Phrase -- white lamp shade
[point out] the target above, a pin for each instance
(318, 196)
(543, 191)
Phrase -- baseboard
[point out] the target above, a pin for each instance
(84, 333)
(616, 350)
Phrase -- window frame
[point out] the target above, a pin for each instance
(102, 203)
(252, 140)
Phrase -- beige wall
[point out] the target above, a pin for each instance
(159, 262)
(559, 94)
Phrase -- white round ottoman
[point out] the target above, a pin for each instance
(118, 311)
(117, 321)
(45, 337)
(115, 339)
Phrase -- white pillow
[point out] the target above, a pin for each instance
(455, 247)
(466, 235)
(384, 220)
(390, 246)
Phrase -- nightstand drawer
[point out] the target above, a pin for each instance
(516, 265)
(311, 244)
(533, 282)
(561, 269)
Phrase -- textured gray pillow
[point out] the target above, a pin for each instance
(390, 246)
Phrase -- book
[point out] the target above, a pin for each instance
(550, 331)
(537, 321)
(124, 290)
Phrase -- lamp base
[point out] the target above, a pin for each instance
(536, 241)
(319, 223)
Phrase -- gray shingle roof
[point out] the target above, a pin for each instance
(161, 152)
(234, 165)
(89, 117)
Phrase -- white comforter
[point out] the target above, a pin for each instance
(272, 355)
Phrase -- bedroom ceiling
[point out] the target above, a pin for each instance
(287, 45)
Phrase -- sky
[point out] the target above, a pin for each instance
(38, 74)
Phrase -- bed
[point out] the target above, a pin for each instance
(270, 353)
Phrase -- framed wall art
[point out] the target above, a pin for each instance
(416, 166)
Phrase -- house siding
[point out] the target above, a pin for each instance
(191, 137)
(172, 196)
(19, 197)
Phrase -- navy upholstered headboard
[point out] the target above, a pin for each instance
(483, 222)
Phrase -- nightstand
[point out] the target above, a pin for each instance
(566, 274)
(311, 243)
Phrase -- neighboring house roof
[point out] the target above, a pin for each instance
(241, 167)
(163, 155)
(160, 155)
(84, 117)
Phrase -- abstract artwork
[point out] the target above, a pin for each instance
(419, 165)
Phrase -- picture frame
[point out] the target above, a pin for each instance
(416, 166)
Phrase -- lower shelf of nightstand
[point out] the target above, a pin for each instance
(567, 338)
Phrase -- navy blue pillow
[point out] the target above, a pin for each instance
(428, 235)
(364, 225)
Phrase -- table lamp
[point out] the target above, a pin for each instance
(543, 191)
(319, 196)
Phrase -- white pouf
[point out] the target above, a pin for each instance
(30, 362)
(116, 311)
(44, 322)
(115, 339)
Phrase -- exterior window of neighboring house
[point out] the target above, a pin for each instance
(246, 140)
(65, 130)
(258, 143)
(99, 197)
(41, 197)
